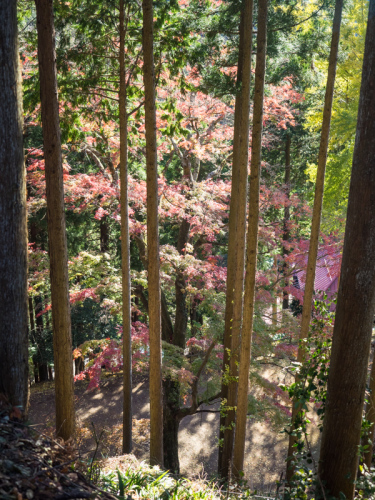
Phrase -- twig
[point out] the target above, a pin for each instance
(97, 442)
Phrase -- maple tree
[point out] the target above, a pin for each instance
(195, 96)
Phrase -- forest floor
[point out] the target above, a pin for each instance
(99, 415)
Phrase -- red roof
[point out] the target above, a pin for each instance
(326, 276)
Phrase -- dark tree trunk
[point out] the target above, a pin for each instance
(79, 365)
(171, 422)
(338, 462)
(36, 372)
(195, 317)
(50, 374)
(62, 341)
(43, 372)
(14, 367)
(104, 235)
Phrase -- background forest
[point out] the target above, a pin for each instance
(161, 287)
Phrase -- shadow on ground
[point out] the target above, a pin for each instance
(99, 416)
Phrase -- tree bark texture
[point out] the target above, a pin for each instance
(252, 240)
(237, 239)
(355, 303)
(154, 302)
(14, 367)
(125, 248)
(57, 247)
(317, 210)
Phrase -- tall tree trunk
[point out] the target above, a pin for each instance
(236, 240)
(14, 368)
(252, 239)
(338, 462)
(125, 248)
(317, 212)
(286, 235)
(57, 247)
(154, 303)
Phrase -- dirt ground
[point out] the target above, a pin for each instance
(99, 415)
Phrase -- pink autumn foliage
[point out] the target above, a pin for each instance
(110, 355)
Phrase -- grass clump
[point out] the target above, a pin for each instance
(138, 481)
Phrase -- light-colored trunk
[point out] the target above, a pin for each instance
(317, 209)
(57, 247)
(237, 237)
(338, 462)
(14, 366)
(252, 239)
(125, 248)
(153, 267)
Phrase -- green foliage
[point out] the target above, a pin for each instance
(310, 385)
(365, 484)
(139, 480)
(90, 321)
(344, 114)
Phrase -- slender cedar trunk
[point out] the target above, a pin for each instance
(14, 367)
(125, 248)
(317, 212)
(370, 416)
(62, 340)
(286, 235)
(338, 462)
(154, 302)
(237, 239)
(252, 239)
